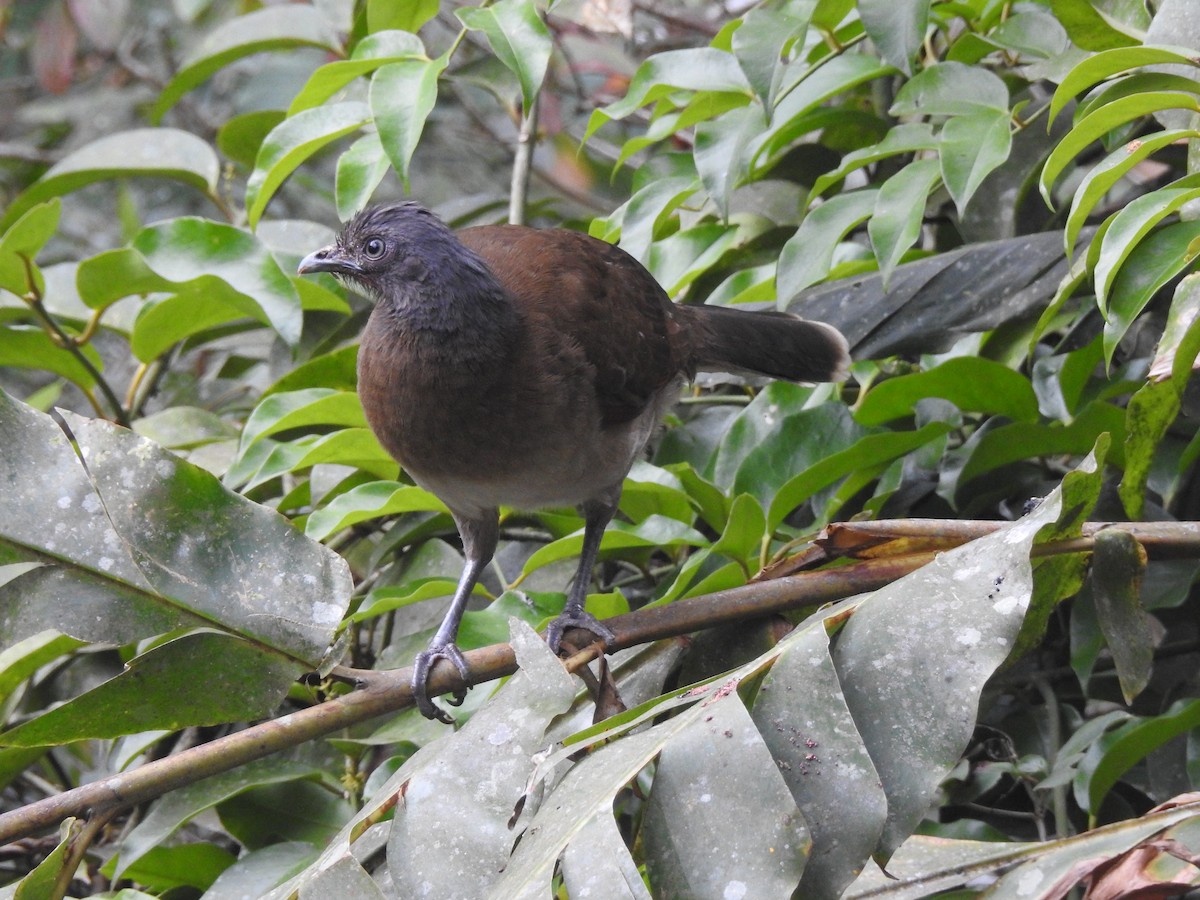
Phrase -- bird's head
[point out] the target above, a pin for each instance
(387, 251)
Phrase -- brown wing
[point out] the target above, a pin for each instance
(598, 295)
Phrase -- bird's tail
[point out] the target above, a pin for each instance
(777, 344)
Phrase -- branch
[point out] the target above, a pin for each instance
(390, 691)
(523, 163)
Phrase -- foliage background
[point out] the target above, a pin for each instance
(991, 199)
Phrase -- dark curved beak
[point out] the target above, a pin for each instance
(328, 259)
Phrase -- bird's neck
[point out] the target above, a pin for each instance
(458, 314)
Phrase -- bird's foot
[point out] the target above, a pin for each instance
(577, 619)
(420, 679)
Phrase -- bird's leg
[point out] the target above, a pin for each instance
(597, 513)
(479, 537)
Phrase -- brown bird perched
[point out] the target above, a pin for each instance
(512, 366)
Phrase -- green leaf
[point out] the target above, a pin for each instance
(301, 409)
(896, 27)
(292, 142)
(988, 450)
(907, 137)
(744, 532)
(31, 348)
(899, 213)
(148, 152)
(652, 532)
(370, 501)
(357, 447)
(359, 172)
(971, 148)
(1088, 26)
(518, 37)
(163, 868)
(1100, 122)
(1156, 405)
(372, 52)
(646, 212)
(21, 244)
(144, 543)
(283, 27)
(155, 692)
(241, 137)
(1149, 265)
(760, 46)
(697, 69)
(1118, 564)
(868, 452)
(1108, 172)
(219, 263)
(402, 97)
(1107, 63)
(972, 383)
(1111, 758)
(951, 89)
(1130, 226)
(408, 16)
(806, 257)
(721, 152)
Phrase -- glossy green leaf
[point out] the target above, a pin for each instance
(951, 89)
(760, 46)
(1109, 759)
(1103, 120)
(193, 865)
(896, 27)
(23, 659)
(697, 69)
(1118, 565)
(192, 310)
(900, 212)
(989, 450)
(149, 693)
(971, 148)
(806, 257)
(143, 543)
(203, 255)
(336, 370)
(680, 259)
(300, 409)
(797, 111)
(241, 137)
(356, 447)
(652, 532)
(907, 137)
(744, 532)
(27, 347)
(272, 28)
(372, 52)
(518, 37)
(1148, 266)
(1108, 172)
(1132, 224)
(869, 451)
(170, 812)
(145, 152)
(1089, 27)
(647, 211)
(721, 155)
(359, 172)
(21, 244)
(410, 16)
(971, 383)
(292, 142)
(370, 501)
(1106, 64)
(402, 97)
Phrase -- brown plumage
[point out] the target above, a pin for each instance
(512, 366)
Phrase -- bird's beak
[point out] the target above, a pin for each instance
(328, 259)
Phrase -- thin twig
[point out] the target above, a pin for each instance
(518, 195)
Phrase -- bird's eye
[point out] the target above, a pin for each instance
(374, 248)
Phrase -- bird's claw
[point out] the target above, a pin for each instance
(581, 619)
(420, 679)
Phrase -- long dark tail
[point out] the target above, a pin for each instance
(777, 344)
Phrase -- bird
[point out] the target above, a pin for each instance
(527, 368)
